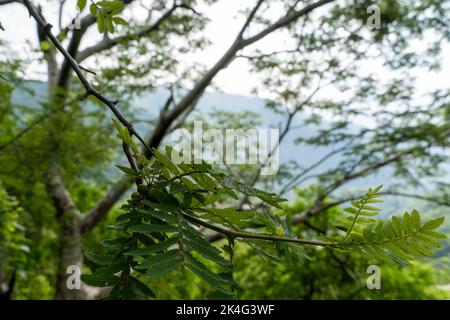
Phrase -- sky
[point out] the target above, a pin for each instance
(20, 29)
(236, 79)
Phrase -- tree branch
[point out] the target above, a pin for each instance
(303, 216)
(60, 13)
(90, 90)
(295, 179)
(74, 44)
(225, 60)
(319, 205)
(4, 2)
(61, 198)
(249, 235)
(249, 19)
(167, 118)
(439, 202)
(108, 43)
(286, 20)
(96, 214)
(287, 128)
(72, 50)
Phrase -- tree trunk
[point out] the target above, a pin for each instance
(70, 243)
(70, 254)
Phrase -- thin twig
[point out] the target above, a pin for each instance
(249, 235)
(90, 90)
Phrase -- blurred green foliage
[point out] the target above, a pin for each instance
(79, 140)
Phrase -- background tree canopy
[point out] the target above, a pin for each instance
(354, 110)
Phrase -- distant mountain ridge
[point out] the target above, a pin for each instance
(147, 106)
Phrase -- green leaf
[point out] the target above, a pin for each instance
(396, 223)
(376, 189)
(162, 268)
(146, 240)
(378, 253)
(81, 4)
(101, 22)
(204, 181)
(45, 45)
(379, 232)
(415, 219)
(370, 208)
(96, 281)
(207, 251)
(433, 224)
(119, 226)
(398, 251)
(422, 249)
(367, 213)
(109, 24)
(140, 289)
(351, 210)
(161, 246)
(103, 277)
(189, 183)
(118, 20)
(407, 222)
(160, 214)
(361, 220)
(434, 234)
(170, 256)
(427, 240)
(205, 274)
(368, 235)
(93, 9)
(169, 207)
(187, 199)
(115, 243)
(374, 201)
(128, 171)
(110, 5)
(102, 260)
(191, 234)
(147, 228)
(166, 162)
(398, 260)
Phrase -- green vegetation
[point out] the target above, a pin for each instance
(349, 102)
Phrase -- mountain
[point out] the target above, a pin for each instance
(150, 103)
(147, 106)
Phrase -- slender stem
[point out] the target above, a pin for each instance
(249, 235)
(362, 203)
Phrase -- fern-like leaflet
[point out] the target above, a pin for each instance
(400, 240)
(159, 233)
(161, 229)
